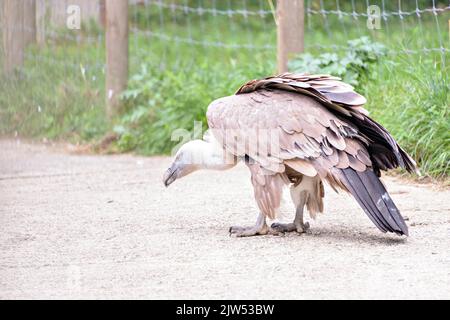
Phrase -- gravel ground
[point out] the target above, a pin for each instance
(82, 226)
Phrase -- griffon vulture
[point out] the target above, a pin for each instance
(299, 130)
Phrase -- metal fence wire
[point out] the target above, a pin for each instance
(243, 26)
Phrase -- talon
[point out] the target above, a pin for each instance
(244, 231)
(282, 228)
(275, 226)
(235, 229)
(275, 232)
(303, 227)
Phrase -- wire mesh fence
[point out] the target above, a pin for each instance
(243, 28)
(226, 30)
(407, 27)
(187, 34)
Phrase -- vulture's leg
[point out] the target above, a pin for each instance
(260, 228)
(298, 221)
(298, 224)
(268, 191)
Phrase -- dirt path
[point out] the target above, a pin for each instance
(105, 227)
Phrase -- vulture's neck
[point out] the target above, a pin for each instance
(212, 156)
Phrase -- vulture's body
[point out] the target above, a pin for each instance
(301, 130)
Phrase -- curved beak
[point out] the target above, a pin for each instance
(170, 175)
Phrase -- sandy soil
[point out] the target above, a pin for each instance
(90, 227)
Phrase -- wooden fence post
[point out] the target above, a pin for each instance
(102, 13)
(12, 34)
(116, 53)
(30, 21)
(290, 30)
(41, 21)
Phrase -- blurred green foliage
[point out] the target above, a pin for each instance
(55, 96)
(355, 65)
(412, 99)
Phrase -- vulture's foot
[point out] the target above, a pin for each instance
(259, 229)
(252, 231)
(290, 227)
(248, 231)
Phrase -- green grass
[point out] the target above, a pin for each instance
(55, 95)
(60, 92)
(414, 105)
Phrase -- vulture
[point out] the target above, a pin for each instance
(299, 130)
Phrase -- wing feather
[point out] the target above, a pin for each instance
(267, 189)
(302, 166)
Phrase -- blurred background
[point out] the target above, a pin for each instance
(121, 75)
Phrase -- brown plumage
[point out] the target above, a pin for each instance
(323, 133)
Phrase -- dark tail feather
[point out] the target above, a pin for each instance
(386, 153)
(374, 199)
(410, 164)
